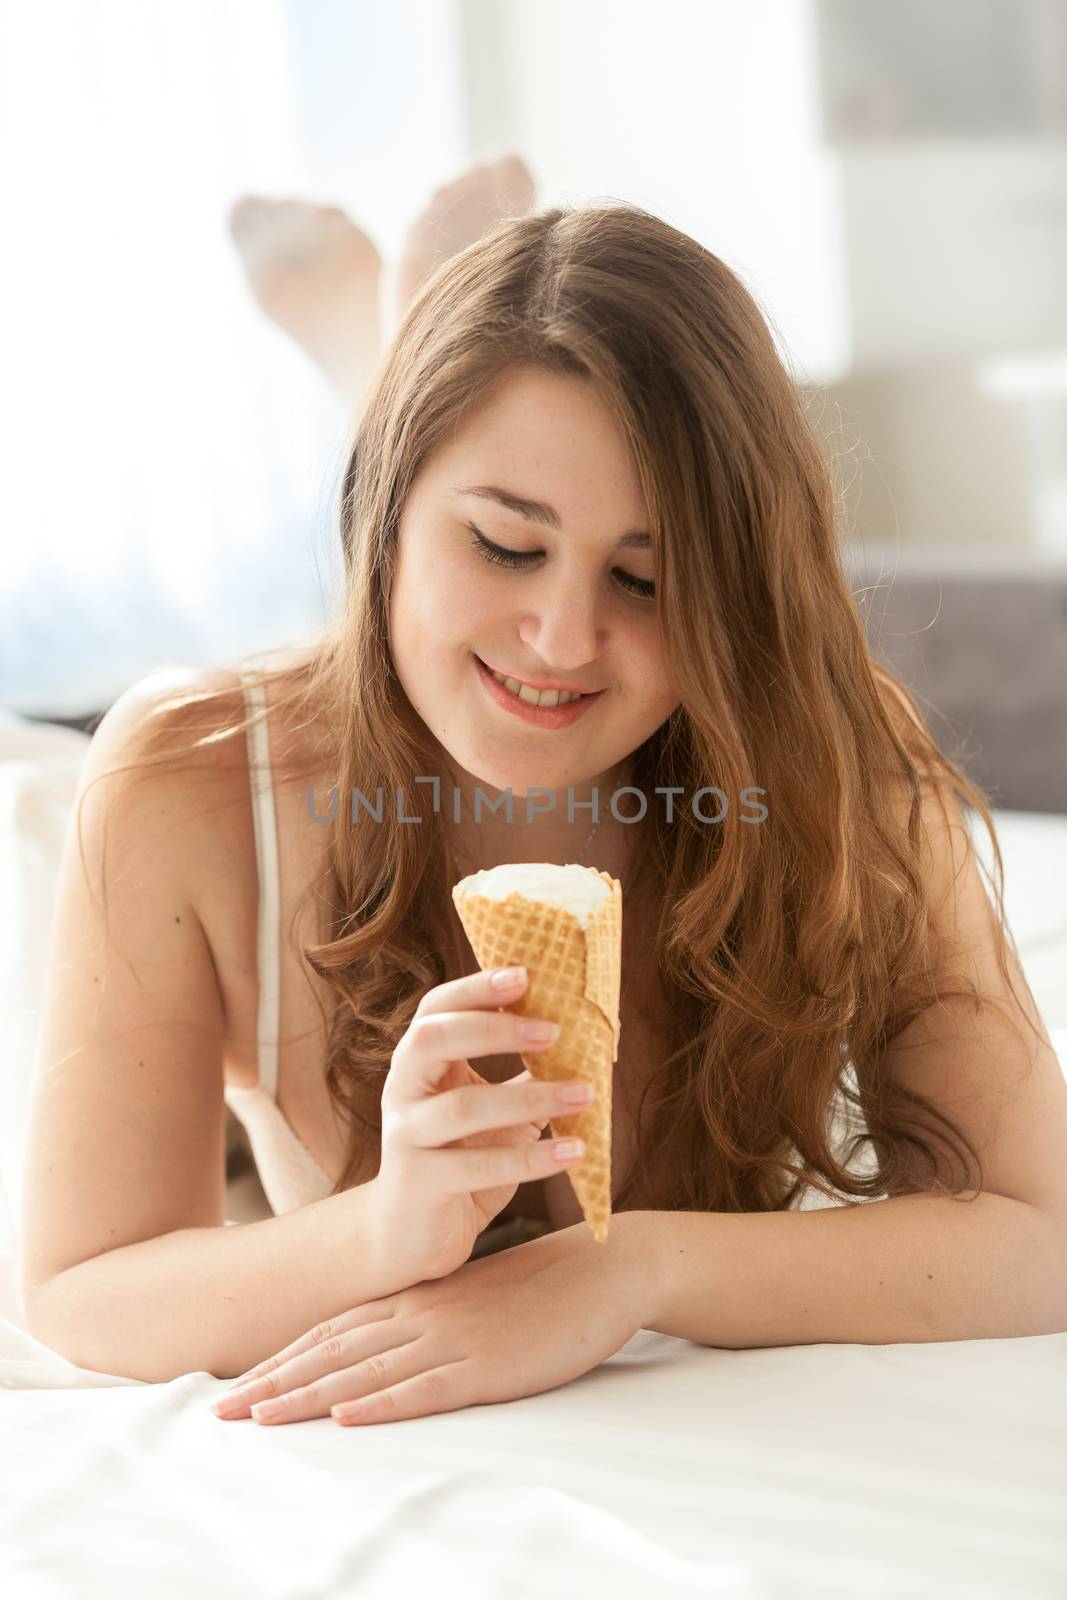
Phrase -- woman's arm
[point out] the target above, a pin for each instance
(125, 1262)
(913, 1266)
(917, 1268)
(215, 1299)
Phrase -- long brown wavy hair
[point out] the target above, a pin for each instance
(789, 955)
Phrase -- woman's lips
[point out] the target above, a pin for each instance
(528, 683)
(539, 716)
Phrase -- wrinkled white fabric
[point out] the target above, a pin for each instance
(821, 1472)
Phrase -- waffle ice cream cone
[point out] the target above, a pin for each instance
(564, 924)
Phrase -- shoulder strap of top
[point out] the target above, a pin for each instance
(264, 822)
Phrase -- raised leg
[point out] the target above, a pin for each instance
(454, 217)
(316, 275)
(319, 276)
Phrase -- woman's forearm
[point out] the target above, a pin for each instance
(215, 1300)
(906, 1270)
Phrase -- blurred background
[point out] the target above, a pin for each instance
(889, 180)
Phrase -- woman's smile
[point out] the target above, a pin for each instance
(547, 716)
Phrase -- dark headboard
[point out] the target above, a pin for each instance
(983, 647)
(87, 724)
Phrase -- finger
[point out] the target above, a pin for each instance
(537, 1120)
(313, 1339)
(517, 1134)
(245, 1377)
(435, 1039)
(470, 1170)
(476, 991)
(371, 1357)
(440, 1389)
(439, 1120)
(306, 1368)
(340, 1350)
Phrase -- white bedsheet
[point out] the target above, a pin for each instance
(892, 1471)
(865, 1472)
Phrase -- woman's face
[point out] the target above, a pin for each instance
(572, 614)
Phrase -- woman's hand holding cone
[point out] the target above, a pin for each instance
(455, 1147)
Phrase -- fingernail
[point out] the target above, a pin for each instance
(267, 1410)
(508, 977)
(345, 1413)
(230, 1405)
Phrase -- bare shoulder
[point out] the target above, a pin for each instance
(167, 770)
(193, 722)
(183, 734)
(174, 709)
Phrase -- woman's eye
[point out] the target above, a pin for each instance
(640, 588)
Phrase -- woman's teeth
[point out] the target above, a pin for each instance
(535, 697)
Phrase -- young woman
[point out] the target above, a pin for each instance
(580, 464)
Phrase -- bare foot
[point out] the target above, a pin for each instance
(316, 275)
(457, 214)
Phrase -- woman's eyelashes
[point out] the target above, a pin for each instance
(640, 588)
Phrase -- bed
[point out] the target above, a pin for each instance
(896, 1471)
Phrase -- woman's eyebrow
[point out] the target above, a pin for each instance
(537, 511)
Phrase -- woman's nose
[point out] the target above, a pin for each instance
(565, 630)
